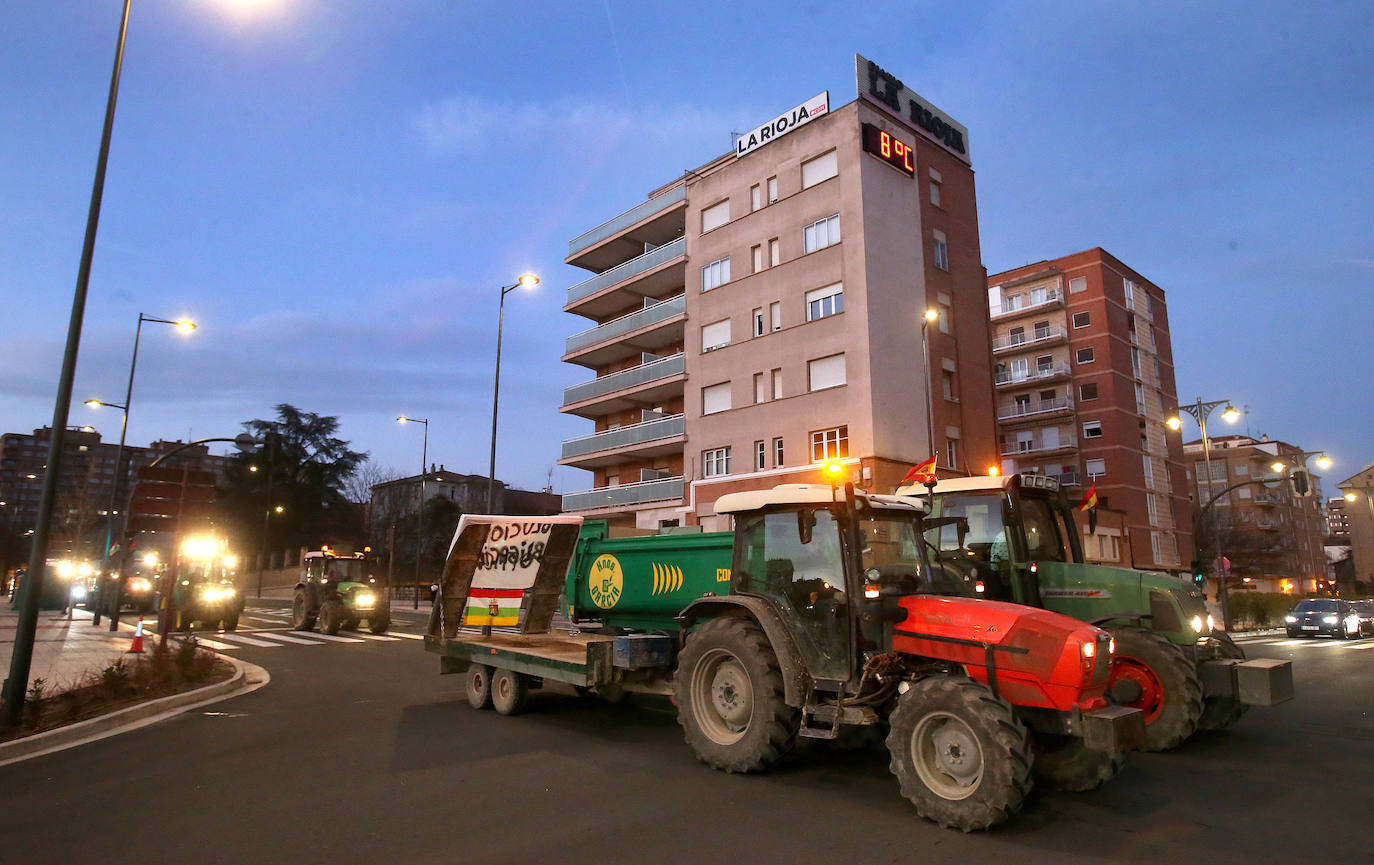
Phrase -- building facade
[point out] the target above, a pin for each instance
(1084, 381)
(763, 314)
(1270, 536)
(1358, 493)
(399, 499)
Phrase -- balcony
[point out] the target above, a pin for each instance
(1035, 376)
(647, 384)
(653, 438)
(652, 328)
(661, 490)
(654, 222)
(1017, 449)
(1038, 338)
(1034, 410)
(1052, 297)
(657, 273)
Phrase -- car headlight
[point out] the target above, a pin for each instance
(364, 599)
(1331, 620)
(1290, 619)
(78, 593)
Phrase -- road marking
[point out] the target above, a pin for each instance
(1292, 642)
(287, 638)
(336, 639)
(403, 635)
(385, 637)
(216, 645)
(1363, 646)
(1266, 641)
(249, 641)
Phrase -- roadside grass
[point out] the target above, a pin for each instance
(125, 682)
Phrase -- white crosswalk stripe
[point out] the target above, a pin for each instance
(386, 637)
(245, 640)
(334, 638)
(403, 635)
(216, 644)
(287, 638)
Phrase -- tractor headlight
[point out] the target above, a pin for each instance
(1197, 623)
(364, 599)
(78, 592)
(1089, 649)
(1211, 623)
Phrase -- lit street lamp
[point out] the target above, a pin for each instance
(424, 476)
(1200, 412)
(527, 280)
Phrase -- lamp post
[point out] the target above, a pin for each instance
(527, 280)
(930, 315)
(424, 476)
(1200, 412)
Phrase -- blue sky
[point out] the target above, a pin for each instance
(336, 191)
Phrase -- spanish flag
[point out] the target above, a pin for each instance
(1089, 504)
(922, 473)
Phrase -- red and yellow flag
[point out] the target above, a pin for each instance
(492, 607)
(1089, 499)
(922, 473)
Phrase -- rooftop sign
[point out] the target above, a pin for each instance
(888, 92)
(783, 124)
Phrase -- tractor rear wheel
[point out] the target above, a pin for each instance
(1170, 691)
(1063, 763)
(729, 693)
(231, 622)
(479, 686)
(302, 619)
(959, 753)
(1219, 713)
(331, 617)
(378, 624)
(509, 690)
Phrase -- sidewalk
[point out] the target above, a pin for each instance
(66, 651)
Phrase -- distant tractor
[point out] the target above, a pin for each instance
(206, 589)
(338, 591)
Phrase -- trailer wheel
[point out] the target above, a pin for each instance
(959, 753)
(479, 686)
(302, 619)
(1220, 713)
(1170, 690)
(509, 691)
(1063, 763)
(729, 694)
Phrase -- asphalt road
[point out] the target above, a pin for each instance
(361, 752)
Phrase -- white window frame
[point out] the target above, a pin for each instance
(830, 444)
(756, 319)
(1077, 284)
(1087, 319)
(774, 252)
(1095, 468)
(760, 455)
(825, 302)
(755, 197)
(1089, 425)
(772, 190)
(715, 274)
(940, 244)
(715, 462)
(1091, 358)
(715, 335)
(776, 379)
(756, 257)
(821, 233)
(775, 315)
(777, 452)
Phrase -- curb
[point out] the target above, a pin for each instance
(247, 678)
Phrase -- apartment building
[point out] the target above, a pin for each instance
(1271, 536)
(1084, 381)
(764, 313)
(1358, 493)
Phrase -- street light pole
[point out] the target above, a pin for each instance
(16, 686)
(527, 280)
(1200, 411)
(929, 316)
(424, 476)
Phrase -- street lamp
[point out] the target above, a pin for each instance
(930, 316)
(1200, 412)
(527, 280)
(424, 476)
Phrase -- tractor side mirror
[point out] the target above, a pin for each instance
(806, 521)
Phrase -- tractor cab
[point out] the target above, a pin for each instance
(340, 591)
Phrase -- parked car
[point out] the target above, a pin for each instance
(1365, 610)
(1313, 617)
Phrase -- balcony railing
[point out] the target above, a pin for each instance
(1030, 409)
(673, 425)
(663, 489)
(662, 311)
(1011, 449)
(635, 266)
(1052, 296)
(1037, 374)
(626, 378)
(635, 214)
(1003, 343)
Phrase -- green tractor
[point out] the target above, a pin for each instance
(1017, 539)
(338, 591)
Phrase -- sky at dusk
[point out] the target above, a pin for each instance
(337, 191)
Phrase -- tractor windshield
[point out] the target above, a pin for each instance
(892, 544)
(346, 571)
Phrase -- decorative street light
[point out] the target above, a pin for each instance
(1200, 412)
(424, 476)
(527, 280)
(930, 316)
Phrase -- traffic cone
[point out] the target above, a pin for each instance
(137, 647)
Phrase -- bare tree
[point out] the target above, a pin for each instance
(358, 486)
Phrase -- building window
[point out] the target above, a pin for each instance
(1148, 466)
(825, 372)
(715, 398)
(1085, 355)
(774, 253)
(1077, 284)
(715, 462)
(1025, 441)
(775, 315)
(715, 216)
(715, 274)
(760, 392)
(772, 189)
(1095, 468)
(1092, 429)
(945, 313)
(755, 197)
(776, 376)
(951, 453)
(1016, 336)
(1082, 319)
(756, 257)
(1128, 289)
(822, 302)
(1044, 364)
(1152, 506)
(947, 382)
(941, 250)
(760, 456)
(715, 335)
(821, 233)
(821, 168)
(757, 319)
(830, 444)
(777, 453)
(935, 188)
(1087, 391)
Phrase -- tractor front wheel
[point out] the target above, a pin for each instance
(959, 753)
(1063, 763)
(1219, 713)
(729, 693)
(1162, 682)
(331, 617)
(302, 617)
(378, 624)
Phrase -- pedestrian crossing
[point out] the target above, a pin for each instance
(221, 641)
(1312, 643)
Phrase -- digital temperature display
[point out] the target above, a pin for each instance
(889, 149)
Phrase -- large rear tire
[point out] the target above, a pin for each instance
(729, 693)
(959, 753)
(378, 625)
(1063, 763)
(509, 691)
(1170, 690)
(479, 686)
(1219, 713)
(302, 619)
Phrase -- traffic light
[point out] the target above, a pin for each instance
(1300, 484)
(1198, 576)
